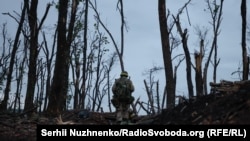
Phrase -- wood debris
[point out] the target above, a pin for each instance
(226, 86)
(61, 122)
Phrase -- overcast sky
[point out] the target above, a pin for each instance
(143, 43)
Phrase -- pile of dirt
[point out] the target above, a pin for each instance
(210, 109)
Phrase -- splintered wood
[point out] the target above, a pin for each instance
(229, 86)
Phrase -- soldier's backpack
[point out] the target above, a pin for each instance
(123, 91)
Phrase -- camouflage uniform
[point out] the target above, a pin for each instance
(122, 106)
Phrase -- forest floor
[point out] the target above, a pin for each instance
(212, 109)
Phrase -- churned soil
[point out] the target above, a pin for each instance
(219, 108)
(211, 109)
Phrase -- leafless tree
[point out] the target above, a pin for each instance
(245, 58)
(4, 103)
(33, 51)
(49, 55)
(170, 85)
(5, 55)
(152, 89)
(59, 88)
(199, 56)
(119, 50)
(84, 69)
(216, 14)
(184, 39)
(20, 72)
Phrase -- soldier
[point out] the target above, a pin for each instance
(122, 97)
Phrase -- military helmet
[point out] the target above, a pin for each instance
(124, 73)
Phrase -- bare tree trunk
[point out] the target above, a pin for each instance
(84, 71)
(184, 37)
(49, 59)
(109, 68)
(150, 98)
(216, 14)
(188, 65)
(59, 89)
(243, 40)
(41, 94)
(158, 98)
(4, 104)
(170, 87)
(19, 76)
(32, 17)
(70, 36)
(198, 70)
(76, 69)
(120, 50)
(122, 34)
(34, 51)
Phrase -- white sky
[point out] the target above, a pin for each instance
(143, 43)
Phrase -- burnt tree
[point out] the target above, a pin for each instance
(59, 89)
(4, 103)
(170, 83)
(243, 40)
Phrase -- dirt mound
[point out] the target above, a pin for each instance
(218, 108)
(210, 109)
